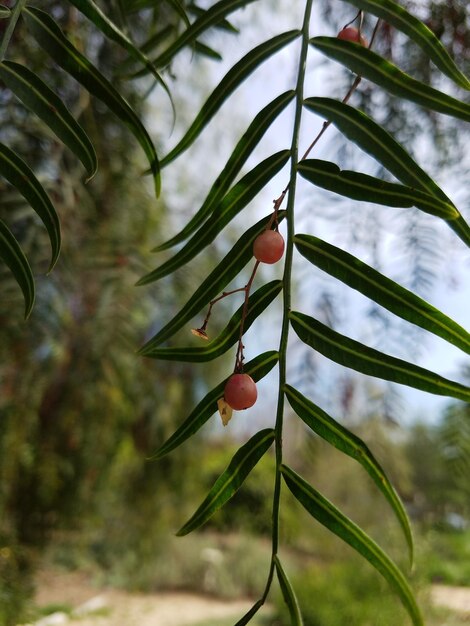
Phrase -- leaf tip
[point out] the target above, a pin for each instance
(28, 309)
(91, 175)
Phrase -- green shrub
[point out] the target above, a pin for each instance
(444, 557)
(347, 592)
(15, 583)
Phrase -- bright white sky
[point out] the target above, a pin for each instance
(188, 179)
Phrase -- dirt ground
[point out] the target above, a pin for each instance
(111, 607)
(455, 598)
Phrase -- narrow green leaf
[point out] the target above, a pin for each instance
(230, 266)
(132, 6)
(51, 38)
(13, 256)
(234, 77)
(257, 304)
(375, 68)
(157, 38)
(288, 594)
(341, 438)
(251, 613)
(211, 17)
(377, 142)
(108, 28)
(222, 25)
(462, 229)
(36, 95)
(22, 177)
(204, 50)
(398, 17)
(360, 357)
(236, 199)
(329, 516)
(381, 289)
(257, 369)
(230, 481)
(178, 7)
(367, 188)
(242, 151)
(5, 12)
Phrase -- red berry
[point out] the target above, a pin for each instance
(352, 34)
(240, 392)
(268, 247)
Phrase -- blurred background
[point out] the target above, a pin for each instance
(81, 507)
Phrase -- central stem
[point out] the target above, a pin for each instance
(287, 293)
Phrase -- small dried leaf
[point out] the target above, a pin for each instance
(225, 411)
(200, 333)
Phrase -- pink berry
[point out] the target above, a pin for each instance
(352, 34)
(240, 392)
(268, 247)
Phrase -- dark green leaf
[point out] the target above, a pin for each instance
(211, 17)
(157, 38)
(370, 189)
(257, 369)
(4, 12)
(226, 270)
(247, 617)
(21, 176)
(462, 229)
(235, 200)
(242, 151)
(234, 77)
(375, 68)
(180, 10)
(11, 253)
(329, 516)
(223, 24)
(325, 426)
(257, 304)
(37, 96)
(230, 481)
(381, 289)
(377, 142)
(360, 357)
(398, 17)
(50, 37)
(108, 28)
(201, 48)
(288, 594)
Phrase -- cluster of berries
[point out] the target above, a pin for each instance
(240, 390)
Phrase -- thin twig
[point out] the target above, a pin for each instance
(240, 356)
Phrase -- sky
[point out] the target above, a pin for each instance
(189, 178)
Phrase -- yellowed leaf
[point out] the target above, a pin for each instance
(225, 411)
(200, 333)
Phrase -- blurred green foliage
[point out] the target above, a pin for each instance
(80, 412)
(346, 592)
(444, 556)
